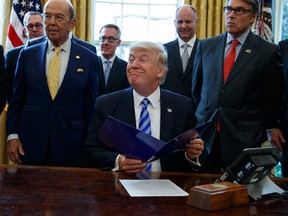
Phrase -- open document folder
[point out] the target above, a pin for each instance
(133, 143)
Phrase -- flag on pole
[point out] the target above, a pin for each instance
(263, 22)
(15, 35)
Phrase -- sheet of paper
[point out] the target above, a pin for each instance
(152, 188)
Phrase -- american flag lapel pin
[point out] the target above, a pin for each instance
(248, 50)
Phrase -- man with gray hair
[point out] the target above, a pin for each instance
(170, 114)
(33, 28)
(237, 82)
(112, 74)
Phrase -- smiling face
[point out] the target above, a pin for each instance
(238, 24)
(143, 71)
(186, 23)
(58, 21)
(107, 47)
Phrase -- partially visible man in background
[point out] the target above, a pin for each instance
(181, 52)
(112, 76)
(3, 82)
(33, 28)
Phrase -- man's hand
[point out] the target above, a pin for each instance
(131, 166)
(275, 136)
(15, 147)
(194, 148)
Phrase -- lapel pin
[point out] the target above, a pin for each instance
(80, 70)
(169, 110)
(248, 50)
(77, 57)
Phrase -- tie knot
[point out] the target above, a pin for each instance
(145, 102)
(234, 43)
(185, 46)
(57, 50)
(108, 63)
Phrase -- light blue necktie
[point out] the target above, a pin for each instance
(107, 71)
(185, 56)
(144, 122)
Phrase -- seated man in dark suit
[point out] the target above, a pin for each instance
(33, 28)
(112, 78)
(171, 114)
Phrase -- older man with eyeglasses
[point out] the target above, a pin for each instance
(112, 76)
(237, 82)
(33, 28)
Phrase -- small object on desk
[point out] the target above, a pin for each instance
(212, 197)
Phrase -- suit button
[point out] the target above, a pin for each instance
(223, 91)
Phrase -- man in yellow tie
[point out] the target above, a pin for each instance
(55, 90)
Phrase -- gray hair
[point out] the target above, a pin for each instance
(158, 49)
(253, 3)
(113, 26)
(31, 13)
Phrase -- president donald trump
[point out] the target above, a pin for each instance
(54, 92)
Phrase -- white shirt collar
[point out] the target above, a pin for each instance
(191, 42)
(65, 47)
(111, 59)
(154, 98)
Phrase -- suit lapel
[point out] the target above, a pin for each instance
(174, 54)
(167, 115)
(247, 52)
(75, 58)
(113, 73)
(41, 55)
(126, 108)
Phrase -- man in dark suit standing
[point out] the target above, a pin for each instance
(178, 78)
(170, 114)
(246, 104)
(49, 116)
(33, 28)
(114, 77)
(283, 46)
(3, 80)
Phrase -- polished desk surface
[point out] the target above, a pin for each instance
(32, 190)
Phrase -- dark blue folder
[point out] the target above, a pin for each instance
(133, 143)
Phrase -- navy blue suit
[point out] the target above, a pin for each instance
(117, 79)
(3, 80)
(176, 118)
(249, 101)
(283, 46)
(176, 80)
(61, 123)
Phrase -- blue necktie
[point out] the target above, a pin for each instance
(107, 71)
(144, 122)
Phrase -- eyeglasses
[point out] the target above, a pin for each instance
(58, 18)
(237, 10)
(110, 39)
(37, 26)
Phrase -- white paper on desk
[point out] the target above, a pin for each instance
(152, 188)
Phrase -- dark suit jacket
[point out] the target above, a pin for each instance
(248, 103)
(3, 80)
(117, 79)
(61, 123)
(120, 105)
(77, 40)
(283, 47)
(11, 62)
(176, 80)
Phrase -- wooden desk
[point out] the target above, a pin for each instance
(31, 190)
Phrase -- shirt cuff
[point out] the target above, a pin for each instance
(193, 162)
(116, 166)
(12, 136)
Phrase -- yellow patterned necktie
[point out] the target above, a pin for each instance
(54, 72)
